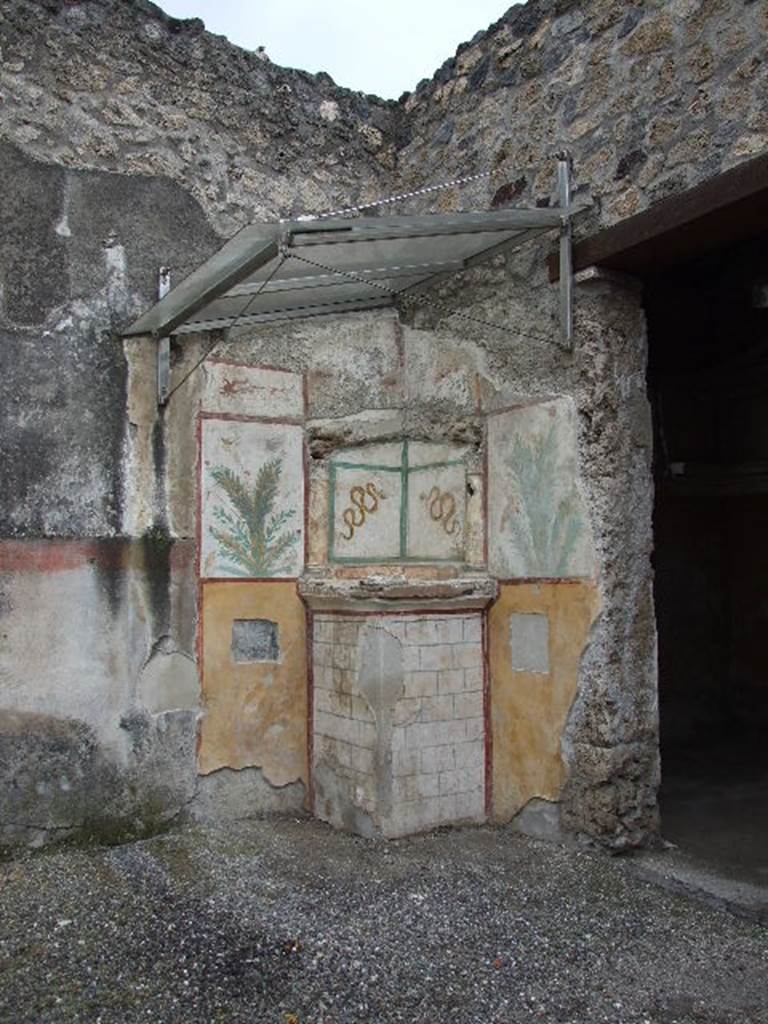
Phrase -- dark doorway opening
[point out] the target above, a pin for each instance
(708, 383)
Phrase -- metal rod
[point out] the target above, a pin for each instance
(566, 262)
(163, 344)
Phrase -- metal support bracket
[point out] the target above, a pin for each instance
(163, 344)
(566, 257)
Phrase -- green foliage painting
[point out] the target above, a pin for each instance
(544, 521)
(252, 537)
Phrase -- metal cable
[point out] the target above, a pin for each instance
(233, 323)
(386, 200)
(383, 201)
(426, 301)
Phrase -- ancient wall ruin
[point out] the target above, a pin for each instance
(131, 141)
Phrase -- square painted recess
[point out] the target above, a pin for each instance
(529, 642)
(255, 640)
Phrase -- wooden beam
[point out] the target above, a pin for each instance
(720, 211)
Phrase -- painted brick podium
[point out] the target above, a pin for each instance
(398, 715)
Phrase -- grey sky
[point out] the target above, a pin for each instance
(382, 48)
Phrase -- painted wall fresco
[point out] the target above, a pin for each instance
(252, 391)
(254, 701)
(532, 689)
(537, 517)
(252, 499)
(403, 501)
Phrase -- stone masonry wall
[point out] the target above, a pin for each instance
(118, 86)
(651, 98)
(130, 139)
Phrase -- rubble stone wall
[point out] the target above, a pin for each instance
(130, 140)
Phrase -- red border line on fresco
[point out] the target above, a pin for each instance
(249, 579)
(310, 707)
(200, 601)
(433, 613)
(523, 405)
(253, 366)
(232, 417)
(486, 488)
(488, 752)
(523, 580)
(305, 468)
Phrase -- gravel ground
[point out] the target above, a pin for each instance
(287, 921)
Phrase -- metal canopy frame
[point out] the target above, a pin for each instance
(317, 266)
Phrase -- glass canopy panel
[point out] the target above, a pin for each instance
(317, 266)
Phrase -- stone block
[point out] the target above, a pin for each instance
(471, 776)
(346, 632)
(322, 654)
(341, 657)
(396, 627)
(449, 630)
(468, 705)
(470, 806)
(407, 711)
(427, 786)
(449, 732)
(446, 808)
(470, 754)
(420, 734)
(450, 782)
(437, 759)
(474, 728)
(406, 762)
(361, 760)
(360, 709)
(322, 631)
(451, 681)
(340, 704)
(411, 659)
(421, 631)
(473, 629)
(436, 657)
(437, 709)
(474, 678)
(467, 655)
(344, 680)
(422, 684)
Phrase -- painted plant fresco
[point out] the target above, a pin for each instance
(252, 500)
(539, 525)
(254, 540)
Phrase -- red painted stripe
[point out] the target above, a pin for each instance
(249, 579)
(232, 417)
(310, 710)
(251, 366)
(433, 613)
(527, 580)
(41, 555)
(52, 555)
(487, 719)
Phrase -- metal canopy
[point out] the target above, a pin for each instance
(332, 266)
(314, 266)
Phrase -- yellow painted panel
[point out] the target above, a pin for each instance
(529, 709)
(255, 712)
